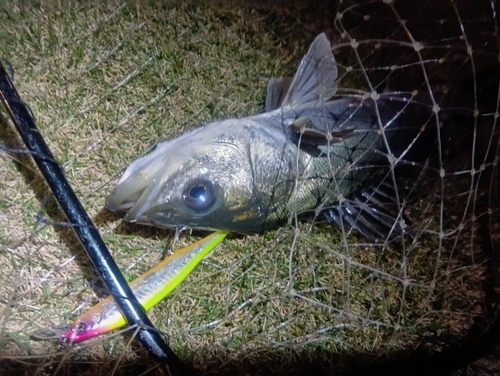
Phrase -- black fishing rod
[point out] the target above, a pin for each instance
(87, 233)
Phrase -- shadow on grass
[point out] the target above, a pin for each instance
(311, 362)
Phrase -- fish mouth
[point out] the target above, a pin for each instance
(116, 202)
(127, 193)
(136, 194)
(139, 186)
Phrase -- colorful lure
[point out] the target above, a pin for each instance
(150, 289)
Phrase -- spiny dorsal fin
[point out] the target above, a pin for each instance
(314, 83)
(276, 91)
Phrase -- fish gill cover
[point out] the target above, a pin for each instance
(106, 83)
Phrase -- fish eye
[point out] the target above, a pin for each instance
(199, 196)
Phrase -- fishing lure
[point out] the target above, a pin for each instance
(150, 289)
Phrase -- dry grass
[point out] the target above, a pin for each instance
(107, 81)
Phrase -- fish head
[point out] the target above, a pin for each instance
(202, 179)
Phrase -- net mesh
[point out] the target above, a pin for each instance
(106, 82)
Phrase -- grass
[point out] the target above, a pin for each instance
(105, 82)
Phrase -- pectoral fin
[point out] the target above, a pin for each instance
(303, 129)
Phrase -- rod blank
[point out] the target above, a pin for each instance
(87, 233)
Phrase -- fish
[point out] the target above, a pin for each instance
(312, 150)
(150, 288)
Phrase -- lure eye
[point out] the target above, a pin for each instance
(200, 196)
(82, 327)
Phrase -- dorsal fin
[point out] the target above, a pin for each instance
(277, 88)
(314, 82)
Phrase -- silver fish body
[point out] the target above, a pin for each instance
(306, 151)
